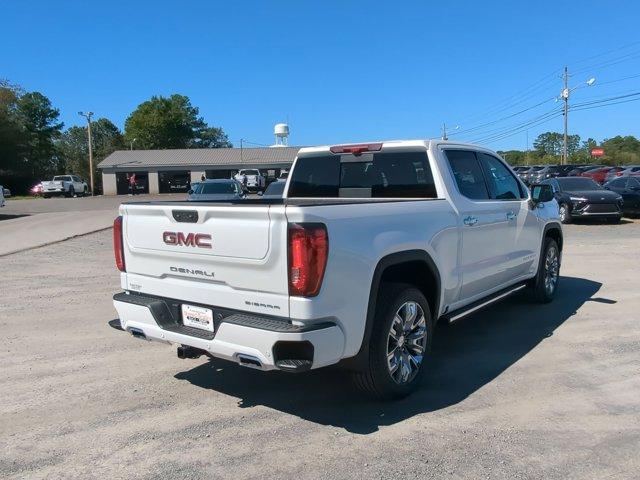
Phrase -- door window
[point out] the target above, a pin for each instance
(502, 184)
(618, 183)
(468, 174)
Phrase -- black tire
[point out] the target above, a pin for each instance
(72, 192)
(542, 290)
(46, 196)
(85, 192)
(614, 219)
(565, 213)
(377, 379)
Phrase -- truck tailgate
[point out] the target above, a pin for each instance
(226, 255)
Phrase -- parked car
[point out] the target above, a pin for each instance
(2, 202)
(6, 192)
(633, 170)
(274, 190)
(548, 171)
(628, 187)
(566, 169)
(578, 170)
(599, 174)
(36, 190)
(531, 173)
(283, 175)
(217, 189)
(340, 269)
(67, 185)
(582, 197)
(522, 172)
(251, 179)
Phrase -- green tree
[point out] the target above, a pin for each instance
(40, 127)
(10, 130)
(73, 148)
(171, 122)
(551, 143)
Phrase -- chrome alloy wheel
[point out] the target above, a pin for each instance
(406, 342)
(563, 212)
(551, 270)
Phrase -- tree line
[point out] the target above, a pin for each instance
(34, 144)
(548, 146)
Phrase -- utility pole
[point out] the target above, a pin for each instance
(88, 116)
(444, 132)
(565, 97)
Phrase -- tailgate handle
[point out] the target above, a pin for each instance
(185, 216)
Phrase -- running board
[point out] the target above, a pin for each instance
(483, 302)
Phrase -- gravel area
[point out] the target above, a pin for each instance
(517, 391)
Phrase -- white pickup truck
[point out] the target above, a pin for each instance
(371, 245)
(252, 179)
(67, 185)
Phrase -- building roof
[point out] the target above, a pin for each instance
(200, 157)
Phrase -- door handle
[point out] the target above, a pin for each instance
(511, 215)
(470, 221)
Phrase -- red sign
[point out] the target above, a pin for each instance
(597, 152)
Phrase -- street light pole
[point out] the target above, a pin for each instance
(88, 116)
(566, 91)
(565, 96)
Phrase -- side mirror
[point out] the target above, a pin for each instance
(541, 193)
(190, 192)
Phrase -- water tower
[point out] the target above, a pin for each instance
(281, 131)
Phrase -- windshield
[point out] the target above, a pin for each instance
(276, 188)
(250, 172)
(535, 169)
(216, 188)
(61, 178)
(570, 184)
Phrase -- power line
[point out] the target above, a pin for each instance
(617, 49)
(555, 114)
(479, 127)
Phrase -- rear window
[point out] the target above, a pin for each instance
(216, 188)
(378, 175)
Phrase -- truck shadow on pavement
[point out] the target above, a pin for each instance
(466, 356)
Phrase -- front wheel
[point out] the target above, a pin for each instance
(564, 213)
(400, 342)
(546, 280)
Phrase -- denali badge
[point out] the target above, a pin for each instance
(188, 240)
(189, 271)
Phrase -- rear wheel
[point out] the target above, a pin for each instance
(72, 192)
(400, 341)
(546, 281)
(564, 213)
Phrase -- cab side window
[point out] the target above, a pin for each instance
(468, 174)
(502, 183)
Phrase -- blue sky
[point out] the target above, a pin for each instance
(338, 70)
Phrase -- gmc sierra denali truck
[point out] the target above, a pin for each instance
(370, 246)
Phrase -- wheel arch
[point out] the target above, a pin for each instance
(553, 230)
(413, 267)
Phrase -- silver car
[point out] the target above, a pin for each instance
(218, 189)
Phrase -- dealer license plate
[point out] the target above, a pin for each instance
(197, 317)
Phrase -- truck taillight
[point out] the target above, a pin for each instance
(308, 250)
(118, 247)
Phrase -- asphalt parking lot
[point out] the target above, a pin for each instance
(516, 391)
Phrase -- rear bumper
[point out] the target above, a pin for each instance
(237, 335)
